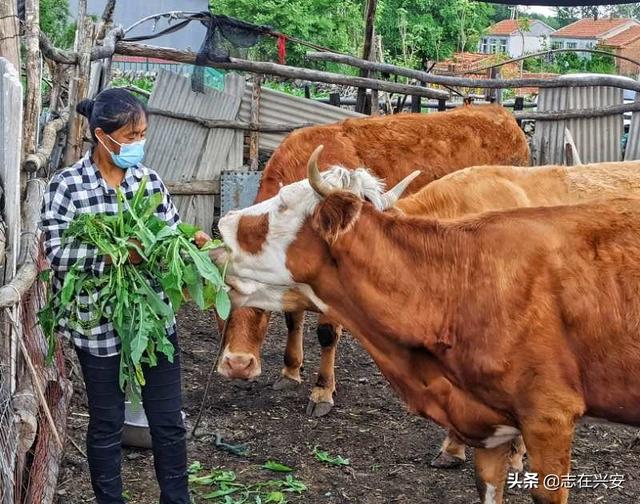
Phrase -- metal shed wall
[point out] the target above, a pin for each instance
(281, 108)
(184, 151)
(597, 139)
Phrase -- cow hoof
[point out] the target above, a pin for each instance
(319, 409)
(285, 383)
(445, 461)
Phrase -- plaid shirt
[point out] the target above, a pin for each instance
(81, 189)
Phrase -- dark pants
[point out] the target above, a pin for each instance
(162, 400)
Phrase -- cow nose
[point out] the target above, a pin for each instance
(219, 255)
(239, 366)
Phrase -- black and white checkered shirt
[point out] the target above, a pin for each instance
(81, 189)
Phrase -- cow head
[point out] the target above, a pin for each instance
(275, 248)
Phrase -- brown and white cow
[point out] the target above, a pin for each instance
(391, 147)
(477, 189)
(506, 323)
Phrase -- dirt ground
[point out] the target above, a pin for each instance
(389, 450)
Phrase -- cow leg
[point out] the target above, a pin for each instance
(451, 454)
(518, 451)
(321, 400)
(548, 440)
(491, 465)
(293, 356)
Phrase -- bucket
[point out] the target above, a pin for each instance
(136, 431)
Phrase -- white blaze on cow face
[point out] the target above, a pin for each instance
(259, 236)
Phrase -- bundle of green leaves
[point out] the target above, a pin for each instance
(126, 294)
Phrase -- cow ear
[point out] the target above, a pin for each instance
(335, 215)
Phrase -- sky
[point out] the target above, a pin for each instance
(547, 11)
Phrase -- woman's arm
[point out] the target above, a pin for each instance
(58, 210)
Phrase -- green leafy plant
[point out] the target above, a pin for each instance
(126, 294)
(272, 465)
(324, 456)
(225, 488)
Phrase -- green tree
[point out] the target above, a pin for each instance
(415, 30)
(336, 24)
(55, 22)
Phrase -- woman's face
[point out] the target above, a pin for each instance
(129, 133)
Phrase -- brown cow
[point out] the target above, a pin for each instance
(391, 147)
(507, 323)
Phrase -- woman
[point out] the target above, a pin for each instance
(118, 124)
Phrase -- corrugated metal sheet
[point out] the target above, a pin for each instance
(281, 108)
(632, 150)
(185, 151)
(597, 139)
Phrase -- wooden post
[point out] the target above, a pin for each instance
(497, 93)
(307, 91)
(78, 92)
(10, 33)
(416, 104)
(571, 155)
(254, 136)
(334, 99)
(442, 105)
(367, 51)
(33, 97)
(375, 103)
(399, 105)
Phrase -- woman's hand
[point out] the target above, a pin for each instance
(201, 238)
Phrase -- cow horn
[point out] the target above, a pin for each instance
(315, 180)
(393, 195)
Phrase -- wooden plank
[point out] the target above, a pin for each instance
(78, 90)
(445, 80)
(9, 33)
(195, 187)
(33, 101)
(562, 115)
(254, 136)
(367, 53)
(226, 124)
(136, 49)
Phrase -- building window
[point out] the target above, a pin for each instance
(557, 44)
(572, 45)
(492, 45)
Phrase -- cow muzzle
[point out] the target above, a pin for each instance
(220, 256)
(239, 366)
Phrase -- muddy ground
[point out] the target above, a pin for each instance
(389, 451)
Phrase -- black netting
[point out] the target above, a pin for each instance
(223, 35)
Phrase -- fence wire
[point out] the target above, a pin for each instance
(30, 455)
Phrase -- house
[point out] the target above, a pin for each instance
(626, 44)
(588, 32)
(506, 37)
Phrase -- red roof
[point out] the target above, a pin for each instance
(504, 27)
(591, 28)
(623, 38)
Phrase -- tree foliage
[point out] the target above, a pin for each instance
(55, 22)
(336, 24)
(415, 30)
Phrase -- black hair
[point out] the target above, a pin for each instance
(111, 110)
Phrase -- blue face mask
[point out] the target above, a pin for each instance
(130, 154)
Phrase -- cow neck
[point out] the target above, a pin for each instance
(365, 292)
